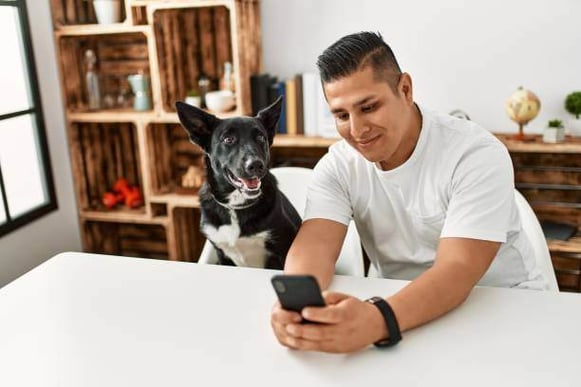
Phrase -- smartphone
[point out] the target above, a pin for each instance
(297, 291)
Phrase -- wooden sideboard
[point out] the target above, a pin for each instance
(548, 175)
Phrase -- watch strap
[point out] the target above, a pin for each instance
(394, 334)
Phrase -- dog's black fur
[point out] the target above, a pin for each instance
(240, 189)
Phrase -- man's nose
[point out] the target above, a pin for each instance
(359, 126)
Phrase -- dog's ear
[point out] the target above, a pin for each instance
(269, 117)
(198, 123)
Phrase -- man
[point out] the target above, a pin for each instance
(432, 197)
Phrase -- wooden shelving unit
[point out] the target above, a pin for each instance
(173, 42)
(549, 176)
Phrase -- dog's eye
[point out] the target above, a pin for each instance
(229, 140)
(261, 138)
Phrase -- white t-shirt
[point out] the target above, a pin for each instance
(458, 182)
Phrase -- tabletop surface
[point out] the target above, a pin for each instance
(95, 320)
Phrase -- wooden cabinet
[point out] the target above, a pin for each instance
(172, 42)
(549, 176)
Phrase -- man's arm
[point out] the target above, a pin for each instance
(350, 324)
(459, 265)
(315, 250)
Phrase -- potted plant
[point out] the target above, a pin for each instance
(107, 11)
(554, 132)
(573, 106)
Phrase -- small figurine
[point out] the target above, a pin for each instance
(194, 177)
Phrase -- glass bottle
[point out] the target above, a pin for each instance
(227, 81)
(92, 80)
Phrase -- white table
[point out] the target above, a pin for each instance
(92, 320)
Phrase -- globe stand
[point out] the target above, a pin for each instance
(520, 136)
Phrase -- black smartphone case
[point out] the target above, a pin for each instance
(297, 291)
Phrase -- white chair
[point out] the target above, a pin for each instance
(293, 182)
(533, 230)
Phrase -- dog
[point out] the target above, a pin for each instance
(248, 220)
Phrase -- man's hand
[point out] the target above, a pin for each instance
(346, 324)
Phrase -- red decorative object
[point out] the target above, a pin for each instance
(123, 192)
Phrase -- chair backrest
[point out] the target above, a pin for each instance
(533, 230)
(294, 182)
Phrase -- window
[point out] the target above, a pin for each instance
(26, 186)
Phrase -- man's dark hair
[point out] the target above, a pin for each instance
(356, 51)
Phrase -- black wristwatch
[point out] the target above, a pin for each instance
(390, 321)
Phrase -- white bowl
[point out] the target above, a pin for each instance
(220, 101)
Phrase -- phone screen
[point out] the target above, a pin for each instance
(297, 291)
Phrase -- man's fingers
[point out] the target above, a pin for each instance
(332, 298)
(327, 315)
(313, 332)
(283, 316)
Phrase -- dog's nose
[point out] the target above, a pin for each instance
(254, 167)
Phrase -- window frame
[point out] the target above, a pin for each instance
(13, 223)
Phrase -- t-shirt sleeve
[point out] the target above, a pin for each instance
(328, 194)
(482, 195)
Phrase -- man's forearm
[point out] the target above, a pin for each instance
(431, 295)
(311, 264)
(315, 250)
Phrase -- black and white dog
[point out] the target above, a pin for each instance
(244, 215)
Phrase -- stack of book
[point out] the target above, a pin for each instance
(305, 110)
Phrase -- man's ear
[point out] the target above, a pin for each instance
(269, 117)
(198, 124)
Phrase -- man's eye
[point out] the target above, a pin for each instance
(367, 108)
(342, 116)
(229, 140)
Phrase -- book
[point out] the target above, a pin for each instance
(299, 103)
(259, 91)
(559, 231)
(291, 106)
(279, 89)
(310, 103)
(325, 120)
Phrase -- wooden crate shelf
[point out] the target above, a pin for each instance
(191, 42)
(198, 37)
(129, 239)
(102, 153)
(118, 55)
(76, 12)
(170, 146)
(125, 216)
(174, 42)
(189, 241)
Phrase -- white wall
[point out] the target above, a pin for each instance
(468, 55)
(27, 247)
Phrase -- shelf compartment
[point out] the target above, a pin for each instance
(76, 12)
(102, 153)
(139, 14)
(127, 239)
(118, 56)
(173, 153)
(188, 238)
(191, 42)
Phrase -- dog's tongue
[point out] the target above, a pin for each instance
(251, 183)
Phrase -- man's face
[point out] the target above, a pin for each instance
(379, 123)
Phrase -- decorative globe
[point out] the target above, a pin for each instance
(522, 106)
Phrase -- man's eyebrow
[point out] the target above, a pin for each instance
(358, 103)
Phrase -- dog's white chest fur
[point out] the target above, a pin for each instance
(247, 251)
